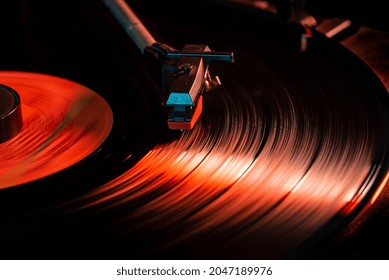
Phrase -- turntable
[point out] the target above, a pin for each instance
(289, 152)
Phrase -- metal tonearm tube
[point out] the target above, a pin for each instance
(185, 75)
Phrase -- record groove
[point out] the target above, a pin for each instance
(290, 149)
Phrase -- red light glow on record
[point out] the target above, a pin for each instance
(212, 184)
(283, 156)
(63, 122)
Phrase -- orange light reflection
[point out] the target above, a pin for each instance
(63, 122)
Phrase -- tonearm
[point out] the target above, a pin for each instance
(185, 75)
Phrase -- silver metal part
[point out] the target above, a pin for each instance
(131, 23)
(185, 75)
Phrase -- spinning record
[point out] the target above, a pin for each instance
(63, 122)
(289, 150)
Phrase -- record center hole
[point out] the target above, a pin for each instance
(11, 120)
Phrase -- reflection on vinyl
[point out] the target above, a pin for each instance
(290, 149)
(63, 122)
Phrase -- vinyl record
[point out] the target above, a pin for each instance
(63, 122)
(290, 149)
